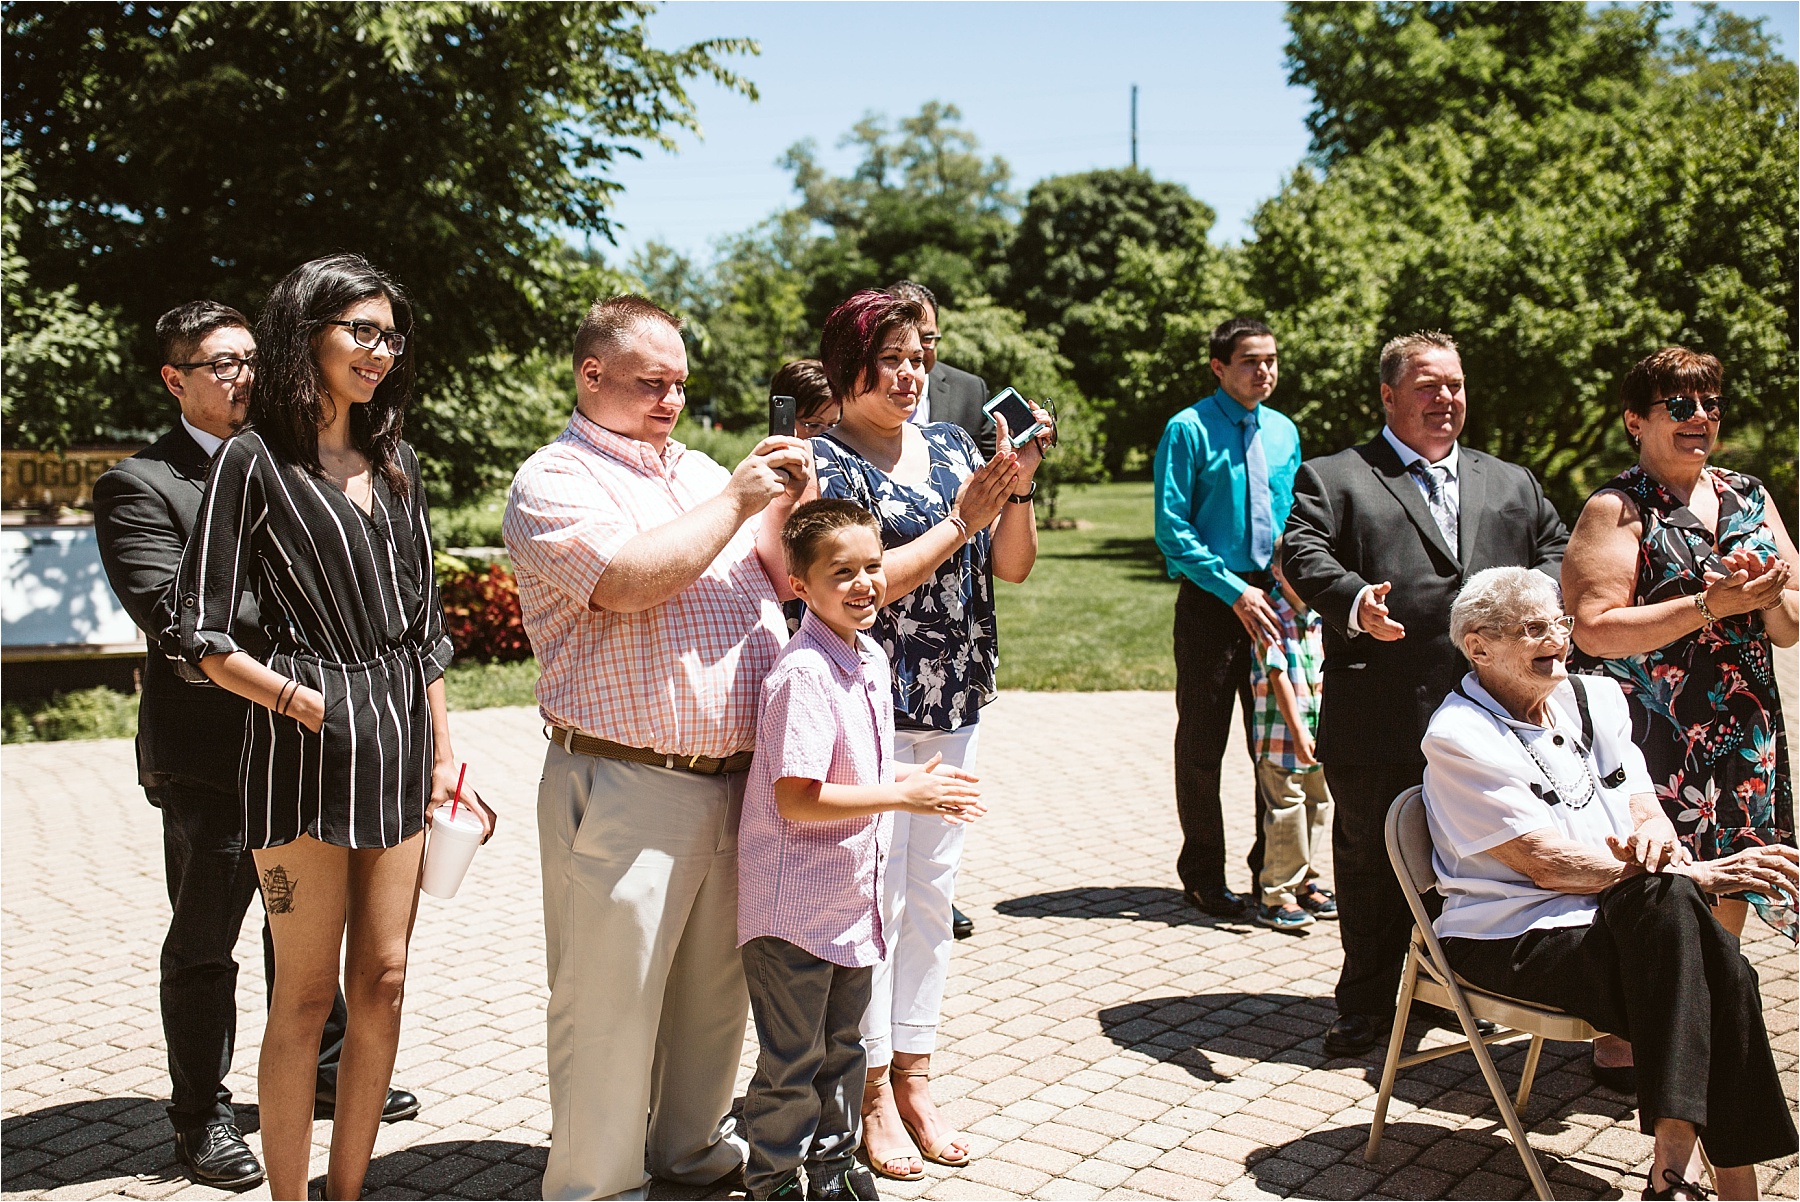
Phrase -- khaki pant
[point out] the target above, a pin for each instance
(1296, 814)
(647, 1001)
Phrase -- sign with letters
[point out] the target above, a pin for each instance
(39, 479)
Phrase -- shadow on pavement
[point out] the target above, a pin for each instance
(478, 1168)
(1140, 903)
(1418, 1160)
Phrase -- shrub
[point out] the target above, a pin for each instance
(481, 611)
(97, 713)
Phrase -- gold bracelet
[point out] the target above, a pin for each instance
(1700, 604)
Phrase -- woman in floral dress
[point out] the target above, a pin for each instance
(1680, 576)
(950, 523)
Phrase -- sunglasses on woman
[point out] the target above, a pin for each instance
(1683, 408)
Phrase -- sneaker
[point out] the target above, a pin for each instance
(1283, 918)
(1317, 901)
(788, 1190)
(845, 1185)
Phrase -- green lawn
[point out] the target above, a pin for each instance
(1098, 608)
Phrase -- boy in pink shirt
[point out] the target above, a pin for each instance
(812, 846)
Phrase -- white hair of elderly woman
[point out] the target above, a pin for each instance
(1496, 597)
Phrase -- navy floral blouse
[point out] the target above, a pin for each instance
(941, 638)
(1704, 708)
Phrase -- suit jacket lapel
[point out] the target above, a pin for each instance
(187, 460)
(1398, 481)
(1471, 491)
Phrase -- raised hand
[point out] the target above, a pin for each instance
(778, 464)
(1373, 617)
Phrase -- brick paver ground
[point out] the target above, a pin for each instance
(1100, 1040)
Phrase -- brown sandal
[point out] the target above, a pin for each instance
(879, 1158)
(934, 1153)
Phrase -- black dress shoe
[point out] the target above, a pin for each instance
(1217, 900)
(217, 1155)
(1352, 1035)
(961, 925)
(400, 1105)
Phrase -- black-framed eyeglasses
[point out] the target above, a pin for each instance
(1537, 629)
(224, 370)
(1683, 408)
(368, 335)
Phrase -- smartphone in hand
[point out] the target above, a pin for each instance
(1021, 424)
(782, 412)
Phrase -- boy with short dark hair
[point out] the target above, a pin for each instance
(1285, 679)
(810, 853)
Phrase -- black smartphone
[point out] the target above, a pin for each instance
(1021, 424)
(781, 415)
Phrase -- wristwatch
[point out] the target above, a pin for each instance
(1022, 500)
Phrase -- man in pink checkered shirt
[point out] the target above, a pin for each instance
(645, 576)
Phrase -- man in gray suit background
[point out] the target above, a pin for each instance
(1380, 539)
(951, 394)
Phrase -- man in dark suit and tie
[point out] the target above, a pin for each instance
(1380, 539)
(951, 394)
(190, 735)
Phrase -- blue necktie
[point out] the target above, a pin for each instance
(1262, 508)
(1437, 498)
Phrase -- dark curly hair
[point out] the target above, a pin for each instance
(287, 406)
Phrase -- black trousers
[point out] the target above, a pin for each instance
(211, 879)
(1373, 920)
(804, 1104)
(1657, 969)
(1212, 669)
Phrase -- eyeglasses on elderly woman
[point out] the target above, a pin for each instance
(1537, 629)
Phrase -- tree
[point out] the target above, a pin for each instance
(63, 357)
(1559, 248)
(184, 150)
(921, 204)
(1382, 69)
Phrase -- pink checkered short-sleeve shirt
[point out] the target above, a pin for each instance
(827, 715)
(681, 677)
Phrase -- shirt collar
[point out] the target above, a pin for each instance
(1231, 411)
(209, 443)
(1471, 684)
(630, 451)
(1408, 456)
(845, 658)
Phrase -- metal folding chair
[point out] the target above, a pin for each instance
(1429, 977)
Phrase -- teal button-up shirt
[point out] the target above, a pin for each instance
(1203, 498)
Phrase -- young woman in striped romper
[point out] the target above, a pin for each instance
(316, 509)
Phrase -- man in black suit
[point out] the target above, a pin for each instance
(190, 735)
(951, 394)
(1380, 539)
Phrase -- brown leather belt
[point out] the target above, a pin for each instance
(573, 741)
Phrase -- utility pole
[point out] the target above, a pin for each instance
(1134, 127)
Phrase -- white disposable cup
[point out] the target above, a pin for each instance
(449, 848)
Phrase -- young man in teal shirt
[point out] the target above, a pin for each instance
(1224, 484)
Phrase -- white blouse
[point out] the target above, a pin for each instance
(1479, 793)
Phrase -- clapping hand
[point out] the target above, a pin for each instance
(983, 495)
(947, 793)
(1748, 582)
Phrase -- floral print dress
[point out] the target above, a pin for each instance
(1704, 708)
(941, 639)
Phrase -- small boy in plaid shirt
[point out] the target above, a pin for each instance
(1284, 682)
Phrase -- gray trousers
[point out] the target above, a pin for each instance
(804, 1105)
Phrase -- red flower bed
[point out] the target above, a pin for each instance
(481, 613)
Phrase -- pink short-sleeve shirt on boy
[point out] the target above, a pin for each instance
(827, 714)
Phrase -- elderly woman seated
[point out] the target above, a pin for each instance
(1564, 884)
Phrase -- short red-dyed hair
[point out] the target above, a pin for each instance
(850, 345)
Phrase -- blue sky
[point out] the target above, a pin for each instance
(1046, 86)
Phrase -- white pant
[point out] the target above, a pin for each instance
(647, 1000)
(916, 896)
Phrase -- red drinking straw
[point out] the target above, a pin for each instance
(457, 796)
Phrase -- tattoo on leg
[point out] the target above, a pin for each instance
(278, 890)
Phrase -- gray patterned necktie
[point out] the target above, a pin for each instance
(1437, 496)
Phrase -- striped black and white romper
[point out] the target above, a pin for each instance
(350, 606)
